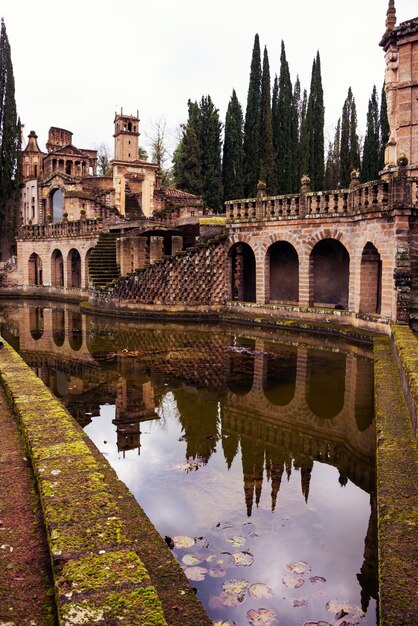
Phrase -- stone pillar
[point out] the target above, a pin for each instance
(176, 245)
(140, 252)
(304, 280)
(156, 248)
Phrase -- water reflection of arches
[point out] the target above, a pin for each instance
(36, 322)
(283, 268)
(74, 268)
(35, 269)
(325, 384)
(57, 205)
(75, 330)
(240, 376)
(58, 327)
(329, 273)
(243, 284)
(370, 280)
(57, 269)
(280, 380)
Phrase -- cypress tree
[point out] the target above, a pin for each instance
(267, 157)
(305, 133)
(371, 151)
(187, 168)
(354, 144)
(283, 120)
(9, 143)
(332, 169)
(349, 151)
(315, 122)
(384, 128)
(252, 124)
(210, 150)
(233, 153)
(295, 136)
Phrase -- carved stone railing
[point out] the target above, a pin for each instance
(377, 195)
(61, 230)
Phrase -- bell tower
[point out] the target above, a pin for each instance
(126, 137)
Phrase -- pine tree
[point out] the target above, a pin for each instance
(315, 122)
(384, 128)
(252, 124)
(349, 150)
(9, 142)
(233, 153)
(283, 130)
(210, 150)
(187, 160)
(267, 157)
(371, 151)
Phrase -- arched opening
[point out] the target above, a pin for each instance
(330, 272)
(75, 330)
(325, 383)
(58, 327)
(280, 382)
(242, 273)
(86, 265)
(241, 367)
(57, 205)
(284, 272)
(57, 269)
(370, 280)
(36, 322)
(35, 269)
(74, 268)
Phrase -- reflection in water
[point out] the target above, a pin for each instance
(212, 430)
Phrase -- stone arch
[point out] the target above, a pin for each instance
(75, 330)
(370, 279)
(35, 270)
(57, 268)
(279, 385)
(325, 382)
(58, 327)
(74, 268)
(86, 265)
(56, 204)
(242, 263)
(329, 274)
(282, 272)
(36, 322)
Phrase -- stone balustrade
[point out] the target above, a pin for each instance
(61, 229)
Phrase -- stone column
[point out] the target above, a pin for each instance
(140, 252)
(156, 248)
(176, 245)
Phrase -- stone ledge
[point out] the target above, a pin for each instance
(397, 498)
(99, 575)
(405, 347)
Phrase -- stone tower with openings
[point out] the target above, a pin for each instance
(126, 137)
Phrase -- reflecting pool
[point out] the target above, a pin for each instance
(251, 451)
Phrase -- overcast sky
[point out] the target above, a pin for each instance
(78, 61)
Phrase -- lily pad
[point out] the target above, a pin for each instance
(190, 465)
(317, 579)
(320, 623)
(191, 559)
(235, 586)
(260, 590)
(216, 572)
(355, 613)
(263, 617)
(237, 542)
(196, 573)
(243, 559)
(230, 600)
(292, 582)
(301, 602)
(221, 559)
(182, 541)
(298, 567)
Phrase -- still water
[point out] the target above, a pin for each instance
(253, 451)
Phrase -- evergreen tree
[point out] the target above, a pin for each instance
(349, 149)
(210, 150)
(315, 122)
(10, 133)
(233, 153)
(252, 124)
(283, 131)
(371, 151)
(187, 160)
(305, 133)
(384, 128)
(332, 169)
(295, 136)
(267, 157)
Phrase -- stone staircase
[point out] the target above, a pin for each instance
(102, 262)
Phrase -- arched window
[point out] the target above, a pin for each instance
(35, 269)
(57, 205)
(57, 269)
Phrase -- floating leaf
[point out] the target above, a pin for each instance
(230, 600)
(191, 559)
(190, 465)
(224, 525)
(202, 542)
(298, 567)
(237, 542)
(243, 558)
(301, 602)
(235, 586)
(182, 541)
(196, 573)
(292, 582)
(260, 590)
(317, 579)
(321, 623)
(223, 559)
(355, 612)
(216, 572)
(262, 617)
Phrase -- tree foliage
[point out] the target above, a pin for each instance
(283, 126)
(371, 151)
(252, 124)
(315, 117)
(349, 148)
(384, 128)
(233, 151)
(268, 170)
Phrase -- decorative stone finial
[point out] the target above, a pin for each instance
(402, 160)
(305, 184)
(354, 179)
(261, 189)
(391, 15)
